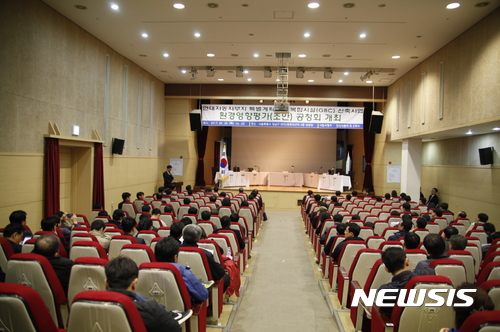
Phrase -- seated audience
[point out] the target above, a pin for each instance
(129, 229)
(404, 227)
(118, 216)
(97, 228)
(146, 224)
(340, 231)
(351, 234)
(397, 264)
(186, 221)
(191, 235)
(14, 233)
(448, 232)
(421, 223)
(436, 213)
(125, 198)
(19, 217)
(458, 242)
(412, 241)
(155, 214)
(121, 277)
(47, 245)
(461, 214)
(317, 221)
(225, 222)
(167, 250)
(444, 207)
(481, 302)
(176, 231)
(49, 225)
(434, 244)
(193, 210)
(482, 218)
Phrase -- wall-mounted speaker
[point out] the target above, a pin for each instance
(117, 146)
(195, 120)
(376, 122)
(486, 156)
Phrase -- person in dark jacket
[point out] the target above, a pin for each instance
(225, 222)
(351, 234)
(14, 233)
(404, 227)
(47, 245)
(121, 277)
(191, 235)
(398, 265)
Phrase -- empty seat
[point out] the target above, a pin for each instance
(36, 272)
(104, 311)
(139, 253)
(148, 236)
(87, 249)
(492, 287)
(490, 271)
(116, 244)
(468, 260)
(414, 256)
(22, 309)
(87, 274)
(483, 321)
(390, 244)
(450, 268)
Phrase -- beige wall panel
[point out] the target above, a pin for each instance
(471, 83)
(22, 185)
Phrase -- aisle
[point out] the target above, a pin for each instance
(283, 292)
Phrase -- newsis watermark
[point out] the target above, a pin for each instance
(399, 296)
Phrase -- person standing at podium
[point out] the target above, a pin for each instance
(168, 178)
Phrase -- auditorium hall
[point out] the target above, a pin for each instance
(282, 97)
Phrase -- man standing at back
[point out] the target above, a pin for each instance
(168, 178)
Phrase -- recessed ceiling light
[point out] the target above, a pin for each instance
(346, 73)
(396, 56)
(302, 55)
(81, 7)
(307, 101)
(197, 34)
(144, 35)
(165, 55)
(340, 81)
(369, 81)
(179, 6)
(245, 71)
(244, 4)
(496, 128)
(363, 35)
(256, 55)
(349, 5)
(143, 55)
(261, 101)
(414, 57)
(213, 5)
(163, 71)
(249, 79)
(452, 5)
(184, 71)
(114, 6)
(348, 56)
(220, 79)
(210, 55)
(469, 132)
(382, 5)
(307, 34)
(277, 80)
(313, 5)
(326, 55)
(310, 81)
(234, 54)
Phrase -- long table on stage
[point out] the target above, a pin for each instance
(282, 179)
(333, 182)
(235, 179)
(285, 179)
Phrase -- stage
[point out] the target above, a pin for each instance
(280, 197)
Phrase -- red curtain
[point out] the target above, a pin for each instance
(369, 140)
(98, 196)
(201, 142)
(52, 176)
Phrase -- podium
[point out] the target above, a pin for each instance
(178, 186)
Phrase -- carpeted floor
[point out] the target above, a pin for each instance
(283, 292)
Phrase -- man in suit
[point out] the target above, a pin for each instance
(168, 178)
(47, 245)
(433, 197)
